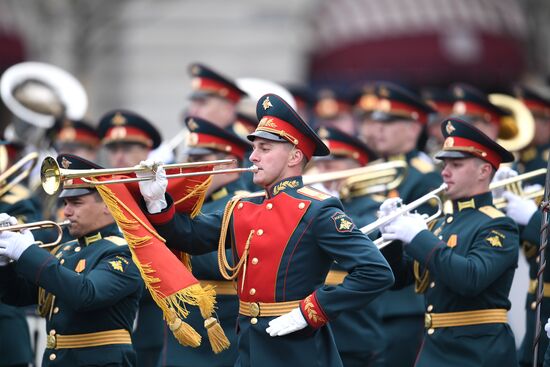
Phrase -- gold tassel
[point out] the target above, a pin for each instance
(216, 335)
(184, 333)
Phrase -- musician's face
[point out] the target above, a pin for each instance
(335, 165)
(274, 161)
(87, 213)
(126, 154)
(466, 177)
(217, 110)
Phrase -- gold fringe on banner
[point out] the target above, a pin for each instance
(173, 306)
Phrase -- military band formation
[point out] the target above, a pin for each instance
(375, 227)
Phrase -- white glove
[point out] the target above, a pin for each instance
(519, 209)
(162, 154)
(388, 206)
(404, 228)
(153, 190)
(502, 173)
(13, 244)
(547, 328)
(7, 220)
(287, 323)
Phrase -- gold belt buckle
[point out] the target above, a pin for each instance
(254, 309)
(427, 320)
(51, 342)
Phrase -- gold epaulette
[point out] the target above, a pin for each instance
(313, 193)
(119, 241)
(491, 211)
(421, 165)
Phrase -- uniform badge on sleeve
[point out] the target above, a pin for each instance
(495, 238)
(117, 265)
(342, 222)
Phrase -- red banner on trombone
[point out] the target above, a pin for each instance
(168, 279)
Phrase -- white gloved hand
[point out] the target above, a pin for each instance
(502, 173)
(404, 228)
(7, 220)
(519, 209)
(389, 206)
(13, 244)
(162, 154)
(153, 190)
(287, 323)
(547, 328)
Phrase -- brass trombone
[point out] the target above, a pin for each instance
(45, 224)
(368, 180)
(52, 175)
(380, 243)
(514, 184)
(21, 168)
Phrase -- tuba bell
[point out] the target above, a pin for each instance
(37, 94)
(517, 130)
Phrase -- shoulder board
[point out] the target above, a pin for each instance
(491, 211)
(313, 193)
(422, 165)
(119, 241)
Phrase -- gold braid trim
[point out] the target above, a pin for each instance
(421, 280)
(173, 306)
(223, 264)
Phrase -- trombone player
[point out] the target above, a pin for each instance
(466, 263)
(87, 289)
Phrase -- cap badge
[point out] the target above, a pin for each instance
(68, 133)
(118, 119)
(267, 122)
(449, 143)
(384, 92)
(192, 124)
(266, 103)
(323, 133)
(449, 128)
(65, 163)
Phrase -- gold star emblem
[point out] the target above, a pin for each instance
(449, 128)
(65, 163)
(494, 241)
(117, 265)
(345, 224)
(323, 133)
(266, 103)
(118, 119)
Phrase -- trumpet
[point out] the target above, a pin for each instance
(514, 184)
(20, 169)
(45, 224)
(368, 180)
(52, 175)
(380, 243)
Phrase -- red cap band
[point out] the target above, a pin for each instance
(287, 131)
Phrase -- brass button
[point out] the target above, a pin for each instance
(55, 310)
(254, 309)
(301, 206)
(252, 291)
(430, 308)
(431, 331)
(533, 305)
(253, 321)
(432, 284)
(52, 357)
(77, 249)
(260, 232)
(269, 206)
(52, 332)
(449, 219)
(254, 261)
(240, 206)
(62, 261)
(538, 259)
